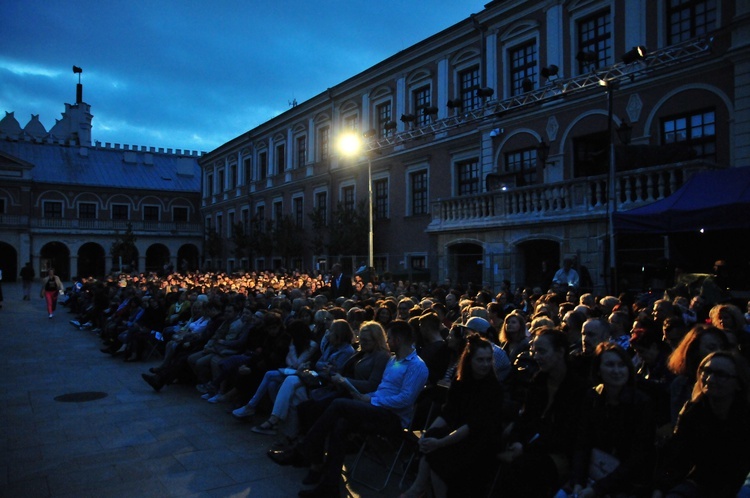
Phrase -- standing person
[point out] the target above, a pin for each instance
(566, 277)
(51, 288)
(341, 285)
(27, 277)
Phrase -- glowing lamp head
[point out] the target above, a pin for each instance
(350, 144)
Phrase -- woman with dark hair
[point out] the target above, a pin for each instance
(51, 288)
(383, 315)
(651, 373)
(336, 348)
(537, 460)
(708, 453)
(301, 350)
(456, 341)
(457, 447)
(514, 337)
(698, 343)
(615, 443)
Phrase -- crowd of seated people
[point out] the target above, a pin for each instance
(520, 394)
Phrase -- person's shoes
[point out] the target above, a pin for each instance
(87, 325)
(155, 370)
(312, 478)
(153, 381)
(267, 428)
(205, 388)
(131, 359)
(75, 323)
(244, 411)
(288, 457)
(218, 398)
(206, 396)
(109, 350)
(321, 491)
(51, 315)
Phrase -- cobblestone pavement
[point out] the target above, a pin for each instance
(133, 442)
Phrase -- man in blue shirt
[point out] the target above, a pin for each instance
(386, 411)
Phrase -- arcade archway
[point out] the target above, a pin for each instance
(55, 255)
(91, 260)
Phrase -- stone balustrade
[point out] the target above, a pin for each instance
(579, 197)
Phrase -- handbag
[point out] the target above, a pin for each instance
(601, 464)
(310, 379)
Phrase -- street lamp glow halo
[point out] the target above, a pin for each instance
(350, 144)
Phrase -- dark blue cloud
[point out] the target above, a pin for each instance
(193, 74)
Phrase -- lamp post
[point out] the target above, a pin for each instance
(612, 178)
(351, 145)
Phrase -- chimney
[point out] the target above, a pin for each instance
(79, 88)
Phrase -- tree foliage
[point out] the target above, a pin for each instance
(349, 229)
(124, 245)
(319, 230)
(289, 239)
(241, 240)
(213, 244)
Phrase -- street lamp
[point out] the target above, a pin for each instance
(351, 145)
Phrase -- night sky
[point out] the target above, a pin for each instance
(193, 75)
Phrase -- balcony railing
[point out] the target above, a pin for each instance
(580, 197)
(13, 220)
(182, 228)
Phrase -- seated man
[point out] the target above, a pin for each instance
(386, 411)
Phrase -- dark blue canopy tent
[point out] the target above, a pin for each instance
(713, 200)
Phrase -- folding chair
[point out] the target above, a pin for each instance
(154, 345)
(380, 448)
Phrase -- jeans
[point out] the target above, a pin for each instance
(284, 397)
(271, 382)
(341, 418)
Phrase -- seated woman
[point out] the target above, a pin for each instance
(615, 442)
(729, 318)
(301, 350)
(698, 343)
(457, 448)
(336, 348)
(514, 337)
(362, 372)
(707, 454)
(537, 460)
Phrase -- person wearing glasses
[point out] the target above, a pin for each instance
(708, 453)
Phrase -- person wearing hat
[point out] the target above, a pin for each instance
(501, 361)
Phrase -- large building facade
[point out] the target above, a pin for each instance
(64, 201)
(498, 146)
